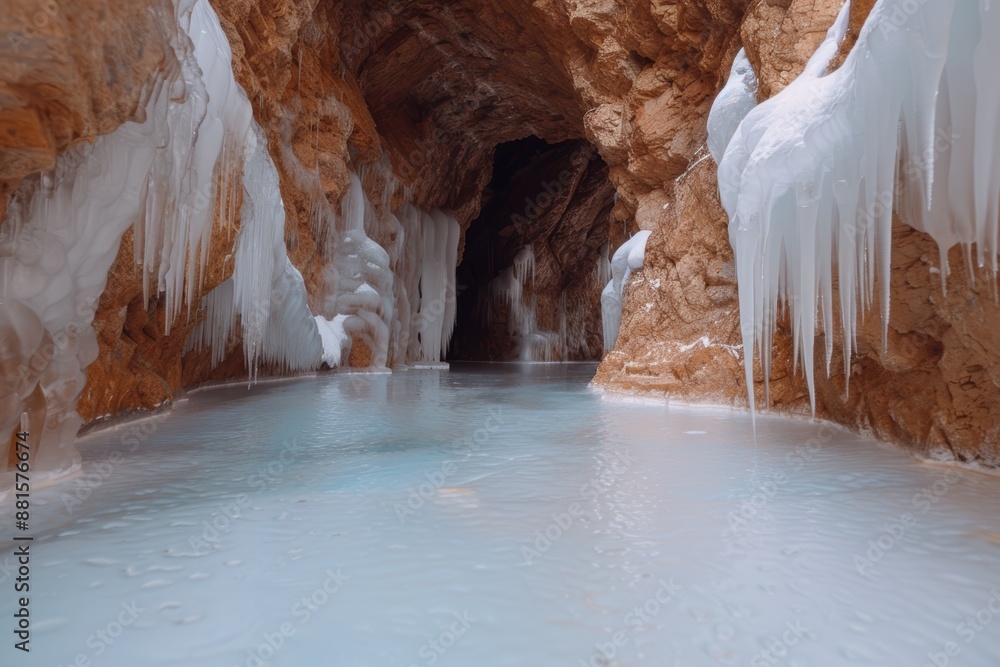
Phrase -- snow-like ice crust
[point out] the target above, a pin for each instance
(812, 176)
(734, 102)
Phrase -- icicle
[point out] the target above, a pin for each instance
(215, 331)
(603, 266)
(508, 293)
(913, 112)
(524, 265)
(434, 321)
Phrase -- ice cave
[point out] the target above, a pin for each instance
(493, 332)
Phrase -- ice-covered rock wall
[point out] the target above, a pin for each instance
(169, 175)
(195, 158)
(909, 123)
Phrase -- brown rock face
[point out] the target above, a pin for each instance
(937, 386)
(71, 72)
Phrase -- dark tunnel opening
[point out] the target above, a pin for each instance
(536, 258)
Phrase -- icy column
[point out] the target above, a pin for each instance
(408, 270)
(812, 176)
(434, 321)
(628, 258)
(364, 281)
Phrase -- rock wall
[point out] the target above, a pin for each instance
(71, 72)
(426, 92)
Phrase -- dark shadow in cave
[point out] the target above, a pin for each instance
(558, 199)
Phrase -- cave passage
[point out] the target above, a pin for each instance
(530, 279)
(363, 205)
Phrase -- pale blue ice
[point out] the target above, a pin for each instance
(410, 512)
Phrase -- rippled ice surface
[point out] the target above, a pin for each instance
(667, 531)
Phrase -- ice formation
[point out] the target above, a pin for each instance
(628, 258)
(812, 176)
(407, 273)
(363, 282)
(511, 292)
(603, 265)
(266, 295)
(169, 175)
(395, 296)
(732, 105)
(434, 317)
(268, 292)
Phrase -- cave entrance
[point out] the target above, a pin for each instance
(536, 258)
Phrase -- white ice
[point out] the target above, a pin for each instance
(732, 105)
(627, 259)
(812, 176)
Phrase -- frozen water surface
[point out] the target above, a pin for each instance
(667, 530)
